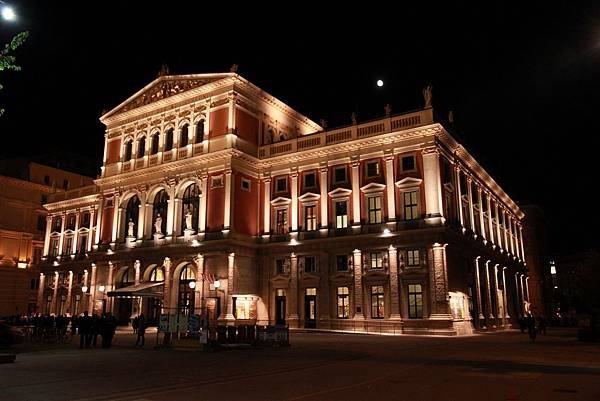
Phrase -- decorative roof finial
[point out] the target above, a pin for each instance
(388, 110)
(354, 118)
(451, 117)
(324, 123)
(234, 68)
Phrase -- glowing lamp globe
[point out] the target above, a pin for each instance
(379, 83)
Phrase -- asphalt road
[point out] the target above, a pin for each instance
(317, 366)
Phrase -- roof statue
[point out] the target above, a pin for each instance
(428, 95)
(234, 68)
(164, 70)
(323, 123)
(451, 117)
(354, 118)
(388, 110)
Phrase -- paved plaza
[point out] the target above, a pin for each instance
(503, 366)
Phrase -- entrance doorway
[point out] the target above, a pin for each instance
(125, 307)
(280, 307)
(310, 308)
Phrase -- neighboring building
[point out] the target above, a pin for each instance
(22, 228)
(535, 236)
(575, 286)
(215, 194)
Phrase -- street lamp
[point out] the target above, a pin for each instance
(8, 13)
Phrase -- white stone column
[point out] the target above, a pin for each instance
(171, 210)
(136, 266)
(324, 197)
(522, 244)
(63, 218)
(231, 121)
(432, 182)
(116, 215)
(356, 193)
(199, 289)
(518, 294)
(481, 222)
(202, 211)
(461, 218)
(517, 243)
(92, 290)
(498, 229)
(177, 215)
(490, 220)
(99, 220)
(110, 286)
(167, 286)
(471, 208)
(522, 292)
(294, 195)
(504, 229)
(142, 215)
(75, 237)
(229, 318)
(91, 233)
(69, 291)
(358, 288)
(228, 197)
(496, 289)
(40, 294)
(390, 188)
(394, 283)
(148, 219)
(47, 236)
(488, 300)
(478, 290)
(527, 288)
(293, 317)
(53, 308)
(438, 279)
(267, 206)
(505, 288)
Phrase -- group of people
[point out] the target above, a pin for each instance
(533, 328)
(139, 327)
(89, 327)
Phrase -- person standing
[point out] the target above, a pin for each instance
(95, 330)
(85, 325)
(141, 330)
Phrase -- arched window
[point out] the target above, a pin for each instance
(183, 139)
(141, 147)
(189, 207)
(161, 201)
(128, 277)
(168, 140)
(128, 150)
(131, 214)
(199, 131)
(185, 302)
(158, 274)
(154, 147)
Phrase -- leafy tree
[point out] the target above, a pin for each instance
(7, 59)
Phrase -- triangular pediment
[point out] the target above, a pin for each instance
(280, 201)
(409, 182)
(340, 192)
(309, 196)
(372, 187)
(163, 88)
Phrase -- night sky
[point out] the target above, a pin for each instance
(521, 79)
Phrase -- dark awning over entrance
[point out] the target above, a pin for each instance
(152, 289)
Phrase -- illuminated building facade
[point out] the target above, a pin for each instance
(215, 194)
(24, 188)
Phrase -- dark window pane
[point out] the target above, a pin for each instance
(408, 163)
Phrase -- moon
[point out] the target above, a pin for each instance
(379, 83)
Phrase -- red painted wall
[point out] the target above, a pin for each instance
(246, 126)
(215, 207)
(245, 219)
(218, 122)
(107, 223)
(113, 150)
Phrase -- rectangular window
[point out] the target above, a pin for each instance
(216, 181)
(280, 266)
(281, 221)
(372, 169)
(310, 218)
(71, 222)
(281, 185)
(310, 180)
(339, 175)
(245, 184)
(37, 255)
(413, 258)
(341, 214)
(310, 264)
(86, 219)
(415, 301)
(311, 291)
(408, 163)
(47, 179)
(44, 199)
(374, 203)
(377, 302)
(343, 304)
(82, 244)
(54, 247)
(411, 205)
(376, 260)
(68, 246)
(342, 262)
(65, 184)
